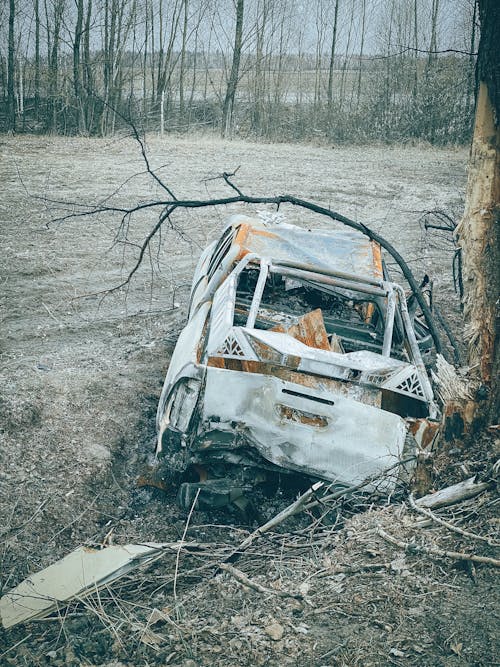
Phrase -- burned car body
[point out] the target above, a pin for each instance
(299, 355)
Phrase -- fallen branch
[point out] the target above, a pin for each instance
(356, 487)
(289, 511)
(446, 524)
(21, 641)
(243, 579)
(302, 503)
(434, 551)
(169, 206)
(453, 494)
(186, 527)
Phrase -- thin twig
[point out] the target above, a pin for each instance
(448, 525)
(356, 487)
(416, 549)
(177, 558)
(289, 511)
(71, 523)
(16, 645)
(246, 581)
(11, 532)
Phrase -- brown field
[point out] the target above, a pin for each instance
(80, 376)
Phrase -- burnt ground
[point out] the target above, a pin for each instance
(81, 373)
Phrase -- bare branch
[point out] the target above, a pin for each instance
(447, 524)
(412, 548)
(240, 197)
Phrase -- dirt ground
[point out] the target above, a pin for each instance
(81, 373)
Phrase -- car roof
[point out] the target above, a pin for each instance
(343, 250)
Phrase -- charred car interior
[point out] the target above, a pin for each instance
(299, 356)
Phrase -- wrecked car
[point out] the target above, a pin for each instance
(299, 356)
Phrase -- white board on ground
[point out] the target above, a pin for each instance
(76, 575)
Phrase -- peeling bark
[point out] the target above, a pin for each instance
(478, 232)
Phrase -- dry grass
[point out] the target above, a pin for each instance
(80, 380)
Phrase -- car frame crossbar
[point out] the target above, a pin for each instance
(328, 272)
(330, 279)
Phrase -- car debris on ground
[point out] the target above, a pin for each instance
(78, 574)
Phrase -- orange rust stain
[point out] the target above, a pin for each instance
(216, 362)
(264, 232)
(377, 259)
(242, 234)
(369, 310)
(152, 480)
(244, 238)
(266, 353)
(309, 329)
(298, 416)
(368, 395)
(424, 431)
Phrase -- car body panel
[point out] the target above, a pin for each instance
(352, 441)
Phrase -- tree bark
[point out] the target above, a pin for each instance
(77, 80)
(182, 66)
(478, 232)
(227, 109)
(11, 69)
(361, 52)
(332, 63)
(37, 58)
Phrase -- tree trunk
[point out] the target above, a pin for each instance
(77, 80)
(332, 64)
(258, 88)
(182, 66)
(433, 44)
(227, 109)
(361, 53)
(37, 58)
(87, 72)
(11, 70)
(479, 230)
(415, 53)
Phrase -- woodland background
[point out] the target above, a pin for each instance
(287, 70)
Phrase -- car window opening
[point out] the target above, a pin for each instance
(352, 322)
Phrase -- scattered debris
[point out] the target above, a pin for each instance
(246, 581)
(413, 548)
(275, 631)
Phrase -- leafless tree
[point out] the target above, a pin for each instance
(228, 107)
(10, 68)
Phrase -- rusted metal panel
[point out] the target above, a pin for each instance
(309, 329)
(424, 432)
(346, 250)
(368, 395)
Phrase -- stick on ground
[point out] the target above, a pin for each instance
(434, 551)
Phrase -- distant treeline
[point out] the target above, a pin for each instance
(339, 70)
